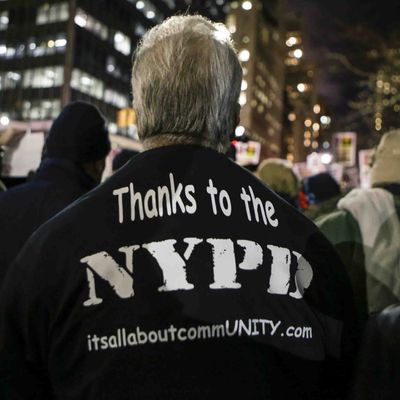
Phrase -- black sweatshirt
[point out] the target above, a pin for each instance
(181, 277)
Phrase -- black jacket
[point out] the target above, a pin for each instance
(23, 209)
(378, 367)
(181, 277)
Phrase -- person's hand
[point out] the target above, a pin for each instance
(11, 136)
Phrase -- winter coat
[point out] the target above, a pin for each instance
(365, 230)
(24, 208)
(378, 368)
(180, 277)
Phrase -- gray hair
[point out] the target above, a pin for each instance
(186, 82)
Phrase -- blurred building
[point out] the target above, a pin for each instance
(257, 31)
(54, 52)
(306, 118)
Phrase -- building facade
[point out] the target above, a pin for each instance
(54, 52)
(257, 31)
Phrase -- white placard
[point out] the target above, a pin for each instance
(248, 153)
(23, 157)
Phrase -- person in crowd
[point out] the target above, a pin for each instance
(365, 229)
(322, 192)
(182, 276)
(377, 374)
(73, 160)
(279, 176)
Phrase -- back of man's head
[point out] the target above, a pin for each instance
(186, 82)
(78, 134)
(386, 167)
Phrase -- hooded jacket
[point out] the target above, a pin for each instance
(56, 184)
(365, 230)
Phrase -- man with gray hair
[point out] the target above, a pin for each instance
(182, 276)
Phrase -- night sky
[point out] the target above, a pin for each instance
(351, 28)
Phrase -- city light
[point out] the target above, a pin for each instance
(298, 53)
(244, 55)
(308, 122)
(4, 120)
(112, 128)
(244, 85)
(140, 5)
(317, 109)
(291, 41)
(314, 145)
(239, 131)
(326, 158)
(290, 157)
(247, 5)
(60, 42)
(50, 43)
(301, 87)
(316, 127)
(326, 145)
(307, 143)
(32, 46)
(150, 14)
(325, 120)
(242, 99)
(4, 20)
(86, 81)
(292, 117)
(80, 20)
(3, 49)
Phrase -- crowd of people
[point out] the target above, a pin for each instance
(183, 275)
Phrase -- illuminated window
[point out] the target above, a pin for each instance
(122, 43)
(4, 20)
(87, 84)
(41, 109)
(149, 11)
(47, 13)
(90, 23)
(115, 98)
(44, 77)
(9, 80)
(38, 47)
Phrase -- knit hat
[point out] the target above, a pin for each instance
(278, 176)
(78, 134)
(320, 187)
(386, 167)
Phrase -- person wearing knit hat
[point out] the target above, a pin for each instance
(72, 163)
(279, 176)
(365, 229)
